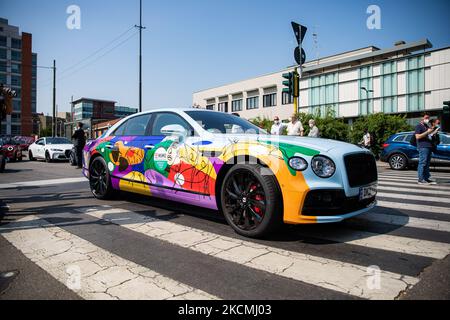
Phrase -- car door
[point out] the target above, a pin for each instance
(126, 154)
(40, 148)
(443, 149)
(173, 164)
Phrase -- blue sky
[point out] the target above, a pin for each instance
(191, 45)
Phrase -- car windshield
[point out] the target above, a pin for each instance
(6, 140)
(58, 141)
(217, 122)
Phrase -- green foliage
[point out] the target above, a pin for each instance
(45, 132)
(381, 126)
(263, 123)
(329, 126)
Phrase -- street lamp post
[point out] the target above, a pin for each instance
(367, 97)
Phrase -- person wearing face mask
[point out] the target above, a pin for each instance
(425, 147)
(277, 127)
(314, 131)
(294, 127)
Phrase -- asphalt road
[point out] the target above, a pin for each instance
(58, 242)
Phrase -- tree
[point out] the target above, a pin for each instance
(381, 126)
(329, 126)
(45, 132)
(263, 123)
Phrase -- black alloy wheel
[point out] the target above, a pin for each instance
(30, 156)
(251, 200)
(100, 180)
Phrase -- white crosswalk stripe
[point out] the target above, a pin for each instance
(414, 197)
(106, 275)
(326, 273)
(387, 188)
(93, 273)
(415, 207)
(406, 221)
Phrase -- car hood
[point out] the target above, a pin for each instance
(59, 146)
(318, 144)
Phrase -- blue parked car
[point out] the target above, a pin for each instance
(400, 154)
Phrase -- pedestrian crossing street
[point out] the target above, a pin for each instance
(378, 255)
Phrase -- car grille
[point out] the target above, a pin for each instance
(332, 203)
(67, 153)
(361, 169)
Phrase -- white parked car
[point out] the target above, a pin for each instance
(50, 149)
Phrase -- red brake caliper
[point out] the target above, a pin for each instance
(257, 197)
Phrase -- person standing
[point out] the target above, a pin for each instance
(314, 131)
(425, 147)
(79, 143)
(295, 127)
(367, 139)
(277, 127)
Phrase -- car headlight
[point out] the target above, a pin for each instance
(56, 150)
(323, 166)
(10, 148)
(298, 164)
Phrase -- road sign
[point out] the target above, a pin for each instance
(299, 31)
(299, 59)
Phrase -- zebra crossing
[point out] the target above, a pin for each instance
(104, 251)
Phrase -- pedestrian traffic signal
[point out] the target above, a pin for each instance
(288, 83)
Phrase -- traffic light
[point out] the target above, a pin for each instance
(296, 85)
(288, 83)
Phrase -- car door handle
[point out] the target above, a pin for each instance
(110, 146)
(149, 146)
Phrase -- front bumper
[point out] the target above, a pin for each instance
(61, 155)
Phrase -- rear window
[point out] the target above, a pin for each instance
(399, 138)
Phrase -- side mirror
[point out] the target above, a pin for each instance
(174, 130)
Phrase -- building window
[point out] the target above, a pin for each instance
(324, 94)
(2, 53)
(253, 103)
(16, 43)
(287, 98)
(16, 55)
(15, 68)
(270, 100)
(389, 87)
(223, 107)
(365, 91)
(16, 81)
(210, 107)
(415, 84)
(3, 79)
(3, 66)
(236, 105)
(2, 41)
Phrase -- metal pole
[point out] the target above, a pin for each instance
(54, 99)
(140, 56)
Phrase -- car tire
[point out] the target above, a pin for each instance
(47, 157)
(2, 163)
(100, 180)
(251, 201)
(398, 162)
(72, 159)
(30, 156)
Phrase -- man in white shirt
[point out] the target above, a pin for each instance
(277, 127)
(295, 127)
(314, 131)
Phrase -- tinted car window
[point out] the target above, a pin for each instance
(217, 122)
(58, 141)
(40, 142)
(444, 139)
(408, 138)
(399, 139)
(167, 118)
(137, 126)
(121, 130)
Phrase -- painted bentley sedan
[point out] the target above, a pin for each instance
(222, 162)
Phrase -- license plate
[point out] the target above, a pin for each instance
(367, 192)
